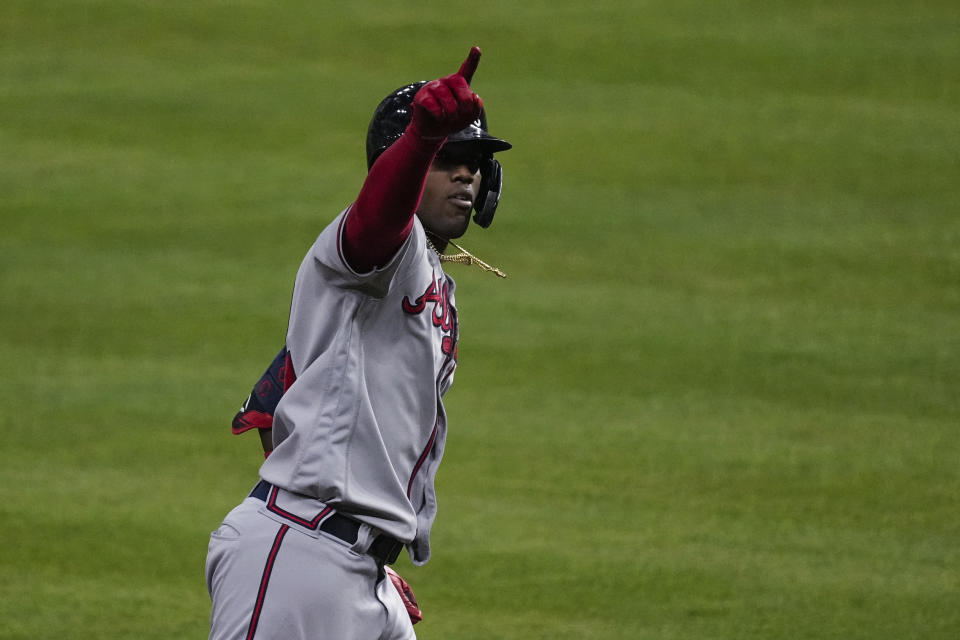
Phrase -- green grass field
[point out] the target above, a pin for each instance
(718, 396)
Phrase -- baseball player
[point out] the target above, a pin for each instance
(371, 349)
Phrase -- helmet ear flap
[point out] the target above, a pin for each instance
(491, 183)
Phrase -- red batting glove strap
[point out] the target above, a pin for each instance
(251, 419)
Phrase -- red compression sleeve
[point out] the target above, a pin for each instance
(382, 216)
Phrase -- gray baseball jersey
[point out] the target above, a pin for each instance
(363, 427)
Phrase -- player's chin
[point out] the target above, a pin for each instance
(445, 221)
(456, 224)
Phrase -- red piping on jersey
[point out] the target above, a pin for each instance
(450, 370)
(265, 580)
(446, 371)
(423, 457)
(310, 524)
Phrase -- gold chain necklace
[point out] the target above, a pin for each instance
(464, 257)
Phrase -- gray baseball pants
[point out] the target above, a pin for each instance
(270, 578)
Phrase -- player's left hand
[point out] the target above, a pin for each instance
(406, 594)
(447, 105)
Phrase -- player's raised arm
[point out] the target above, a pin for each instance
(382, 216)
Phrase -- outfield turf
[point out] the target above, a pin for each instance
(718, 396)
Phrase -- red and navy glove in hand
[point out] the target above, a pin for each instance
(447, 105)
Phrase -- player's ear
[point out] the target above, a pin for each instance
(488, 197)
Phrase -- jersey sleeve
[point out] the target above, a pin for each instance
(327, 262)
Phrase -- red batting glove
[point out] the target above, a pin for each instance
(447, 105)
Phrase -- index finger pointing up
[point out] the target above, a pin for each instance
(470, 64)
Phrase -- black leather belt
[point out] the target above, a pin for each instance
(385, 549)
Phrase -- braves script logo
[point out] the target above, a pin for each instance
(442, 314)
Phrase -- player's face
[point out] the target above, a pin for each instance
(451, 188)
